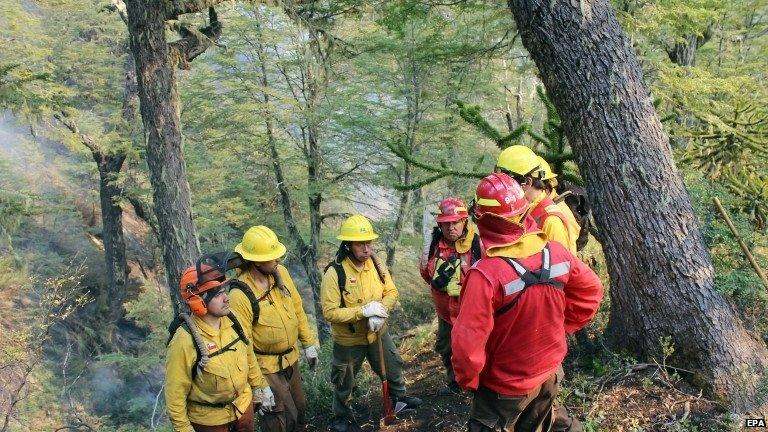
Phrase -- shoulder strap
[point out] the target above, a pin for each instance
(436, 236)
(475, 248)
(341, 275)
(239, 328)
(242, 286)
(530, 278)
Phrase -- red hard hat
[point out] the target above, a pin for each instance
(501, 195)
(451, 210)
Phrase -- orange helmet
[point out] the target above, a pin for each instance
(451, 210)
(501, 195)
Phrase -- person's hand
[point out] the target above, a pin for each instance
(375, 323)
(375, 308)
(265, 399)
(310, 353)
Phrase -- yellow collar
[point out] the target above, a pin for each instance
(464, 244)
(367, 265)
(208, 330)
(527, 245)
(540, 197)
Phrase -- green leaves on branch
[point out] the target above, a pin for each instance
(439, 172)
(551, 144)
(471, 114)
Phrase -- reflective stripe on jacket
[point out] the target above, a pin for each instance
(362, 286)
(282, 321)
(516, 351)
(228, 377)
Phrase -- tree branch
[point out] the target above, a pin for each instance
(174, 8)
(193, 42)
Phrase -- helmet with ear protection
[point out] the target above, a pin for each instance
(192, 286)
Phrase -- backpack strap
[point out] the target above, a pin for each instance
(242, 286)
(528, 278)
(476, 249)
(341, 276)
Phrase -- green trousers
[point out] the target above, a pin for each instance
(443, 347)
(347, 361)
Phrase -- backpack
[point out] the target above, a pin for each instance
(184, 321)
(575, 197)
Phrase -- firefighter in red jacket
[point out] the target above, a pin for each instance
(519, 302)
(453, 248)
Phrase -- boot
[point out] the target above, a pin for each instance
(410, 402)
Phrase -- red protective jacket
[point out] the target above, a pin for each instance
(447, 307)
(516, 351)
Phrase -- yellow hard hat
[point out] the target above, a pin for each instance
(260, 244)
(518, 160)
(357, 228)
(546, 169)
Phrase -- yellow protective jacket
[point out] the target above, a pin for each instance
(574, 229)
(362, 286)
(282, 321)
(554, 227)
(228, 378)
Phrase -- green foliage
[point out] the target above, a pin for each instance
(733, 274)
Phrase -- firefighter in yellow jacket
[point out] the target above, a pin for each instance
(281, 323)
(357, 294)
(212, 378)
(550, 182)
(523, 165)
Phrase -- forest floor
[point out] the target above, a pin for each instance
(607, 396)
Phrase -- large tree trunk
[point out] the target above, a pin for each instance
(160, 114)
(662, 279)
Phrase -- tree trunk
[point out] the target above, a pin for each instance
(110, 193)
(683, 53)
(160, 114)
(402, 211)
(662, 279)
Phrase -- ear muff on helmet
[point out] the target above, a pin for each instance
(195, 302)
(197, 305)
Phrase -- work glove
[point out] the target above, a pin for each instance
(375, 323)
(265, 399)
(310, 353)
(375, 308)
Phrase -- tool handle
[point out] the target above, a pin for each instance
(743, 245)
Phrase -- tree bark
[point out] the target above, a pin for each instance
(662, 279)
(162, 125)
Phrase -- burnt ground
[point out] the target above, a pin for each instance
(623, 396)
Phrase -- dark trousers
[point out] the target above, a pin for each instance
(347, 361)
(443, 347)
(533, 412)
(242, 424)
(290, 402)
